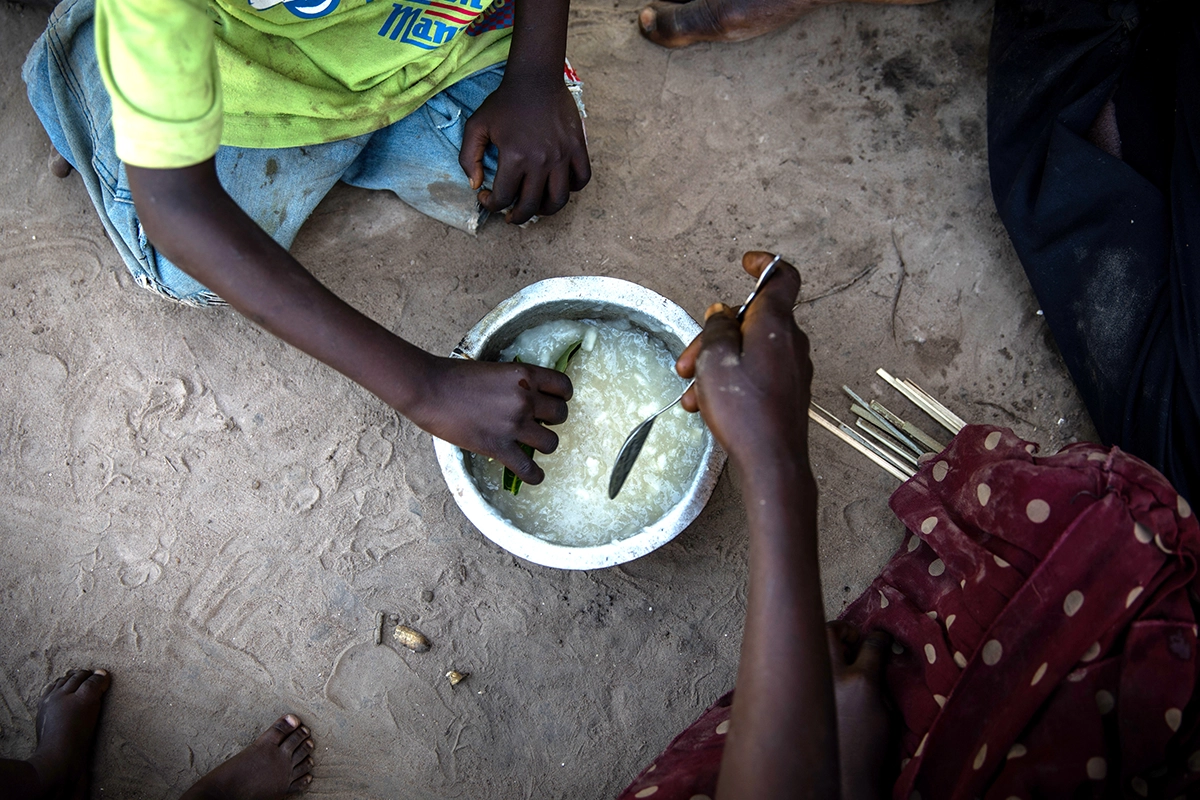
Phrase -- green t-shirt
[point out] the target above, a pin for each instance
(188, 75)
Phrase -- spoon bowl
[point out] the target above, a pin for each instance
(632, 448)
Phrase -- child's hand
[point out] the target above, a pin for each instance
(543, 154)
(753, 380)
(864, 722)
(490, 408)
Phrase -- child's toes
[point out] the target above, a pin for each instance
(280, 730)
(300, 784)
(302, 751)
(75, 679)
(302, 768)
(292, 743)
(679, 25)
(94, 685)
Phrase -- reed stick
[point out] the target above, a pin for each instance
(930, 443)
(922, 400)
(819, 415)
(885, 440)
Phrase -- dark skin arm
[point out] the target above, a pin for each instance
(532, 120)
(753, 390)
(485, 408)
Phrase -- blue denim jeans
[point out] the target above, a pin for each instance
(416, 157)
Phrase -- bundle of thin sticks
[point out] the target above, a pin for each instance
(891, 442)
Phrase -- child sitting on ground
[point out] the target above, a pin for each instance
(206, 132)
(1035, 632)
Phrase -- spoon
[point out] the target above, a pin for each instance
(632, 448)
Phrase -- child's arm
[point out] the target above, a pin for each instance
(532, 119)
(753, 391)
(486, 408)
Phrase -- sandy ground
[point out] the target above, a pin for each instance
(216, 518)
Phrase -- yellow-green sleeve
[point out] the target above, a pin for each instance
(159, 63)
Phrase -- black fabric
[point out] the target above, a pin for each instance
(1111, 245)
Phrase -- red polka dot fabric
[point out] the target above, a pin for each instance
(1045, 631)
(687, 769)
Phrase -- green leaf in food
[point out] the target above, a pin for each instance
(565, 358)
(511, 482)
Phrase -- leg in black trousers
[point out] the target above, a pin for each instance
(1094, 142)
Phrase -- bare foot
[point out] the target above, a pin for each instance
(864, 725)
(59, 166)
(276, 765)
(678, 25)
(66, 727)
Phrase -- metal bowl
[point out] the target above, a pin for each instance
(578, 298)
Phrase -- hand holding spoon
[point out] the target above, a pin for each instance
(632, 448)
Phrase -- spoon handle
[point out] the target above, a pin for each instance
(766, 273)
(632, 447)
(741, 314)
